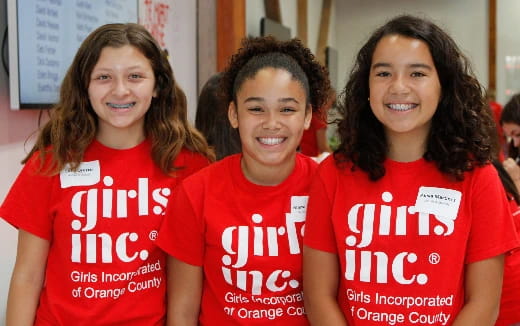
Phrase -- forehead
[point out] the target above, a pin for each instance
(511, 128)
(121, 54)
(399, 48)
(271, 80)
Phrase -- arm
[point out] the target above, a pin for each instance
(27, 279)
(184, 293)
(482, 287)
(513, 170)
(320, 287)
(321, 141)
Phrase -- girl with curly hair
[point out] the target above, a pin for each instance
(408, 222)
(234, 230)
(95, 186)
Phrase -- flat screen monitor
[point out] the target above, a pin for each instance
(271, 27)
(44, 36)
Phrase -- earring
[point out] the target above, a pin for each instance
(368, 99)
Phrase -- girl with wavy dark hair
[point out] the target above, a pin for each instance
(95, 186)
(408, 221)
(234, 230)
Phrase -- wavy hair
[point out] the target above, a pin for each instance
(267, 52)
(461, 133)
(74, 124)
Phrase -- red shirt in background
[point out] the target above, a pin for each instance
(309, 143)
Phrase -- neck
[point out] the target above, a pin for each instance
(406, 148)
(121, 140)
(266, 175)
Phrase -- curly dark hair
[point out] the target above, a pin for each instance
(74, 124)
(267, 52)
(461, 133)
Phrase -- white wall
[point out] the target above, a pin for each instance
(255, 10)
(508, 42)
(464, 20)
(178, 28)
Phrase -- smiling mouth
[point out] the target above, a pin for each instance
(271, 140)
(121, 106)
(401, 107)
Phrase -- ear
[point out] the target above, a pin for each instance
(308, 117)
(233, 114)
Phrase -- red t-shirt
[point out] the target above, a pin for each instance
(103, 266)
(309, 143)
(510, 300)
(496, 110)
(247, 238)
(403, 241)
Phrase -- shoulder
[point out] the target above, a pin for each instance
(187, 156)
(483, 173)
(329, 166)
(216, 171)
(189, 162)
(40, 163)
(306, 163)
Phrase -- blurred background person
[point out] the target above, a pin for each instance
(314, 141)
(212, 120)
(510, 122)
(509, 314)
(496, 111)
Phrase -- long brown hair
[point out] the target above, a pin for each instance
(74, 124)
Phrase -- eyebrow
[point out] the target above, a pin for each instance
(111, 69)
(261, 99)
(413, 65)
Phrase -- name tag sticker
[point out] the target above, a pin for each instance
(438, 201)
(87, 174)
(299, 204)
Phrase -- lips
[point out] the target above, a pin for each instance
(271, 140)
(121, 105)
(401, 107)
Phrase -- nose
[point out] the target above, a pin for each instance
(399, 85)
(271, 121)
(120, 87)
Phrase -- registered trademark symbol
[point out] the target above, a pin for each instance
(434, 258)
(153, 235)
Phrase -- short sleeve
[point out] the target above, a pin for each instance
(492, 229)
(27, 205)
(319, 230)
(182, 231)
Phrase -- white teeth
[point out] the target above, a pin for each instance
(121, 106)
(271, 141)
(401, 107)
